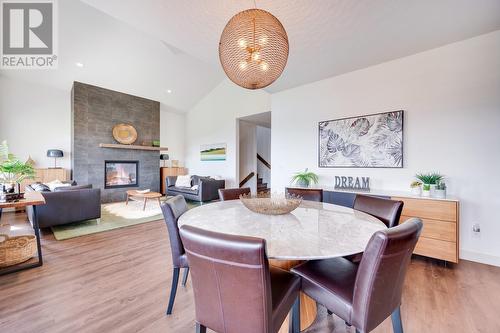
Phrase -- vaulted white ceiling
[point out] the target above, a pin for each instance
(146, 47)
(327, 37)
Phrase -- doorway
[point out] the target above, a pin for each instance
(255, 152)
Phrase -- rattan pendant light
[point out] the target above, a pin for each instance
(253, 49)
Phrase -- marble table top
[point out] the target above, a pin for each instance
(313, 231)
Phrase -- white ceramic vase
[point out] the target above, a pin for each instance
(433, 189)
(440, 194)
(416, 191)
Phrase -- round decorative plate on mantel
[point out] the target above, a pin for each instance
(125, 134)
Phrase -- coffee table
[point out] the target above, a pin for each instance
(144, 196)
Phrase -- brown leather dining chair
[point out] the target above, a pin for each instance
(232, 193)
(365, 295)
(172, 209)
(311, 194)
(386, 210)
(235, 289)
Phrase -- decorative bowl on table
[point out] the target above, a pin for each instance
(271, 204)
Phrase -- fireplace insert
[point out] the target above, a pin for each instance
(121, 174)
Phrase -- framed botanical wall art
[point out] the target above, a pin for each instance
(371, 141)
(213, 152)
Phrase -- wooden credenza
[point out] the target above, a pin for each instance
(168, 171)
(46, 175)
(440, 234)
(439, 238)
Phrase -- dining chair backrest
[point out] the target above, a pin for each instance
(231, 281)
(311, 194)
(381, 274)
(232, 193)
(172, 209)
(386, 210)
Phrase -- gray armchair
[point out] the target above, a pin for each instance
(208, 188)
(66, 205)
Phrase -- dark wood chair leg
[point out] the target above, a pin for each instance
(294, 325)
(173, 290)
(200, 328)
(397, 325)
(185, 277)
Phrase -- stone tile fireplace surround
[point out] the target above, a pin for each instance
(94, 112)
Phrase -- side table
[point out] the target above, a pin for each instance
(30, 199)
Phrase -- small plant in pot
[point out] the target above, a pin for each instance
(305, 178)
(430, 179)
(440, 190)
(416, 188)
(426, 190)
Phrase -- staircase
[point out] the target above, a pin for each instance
(262, 187)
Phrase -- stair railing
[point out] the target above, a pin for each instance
(247, 178)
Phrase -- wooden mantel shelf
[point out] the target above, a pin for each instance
(136, 147)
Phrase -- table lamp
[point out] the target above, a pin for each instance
(55, 153)
(164, 157)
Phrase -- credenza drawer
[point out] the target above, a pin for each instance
(436, 229)
(429, 209)
(437, 249)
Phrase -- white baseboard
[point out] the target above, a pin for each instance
(480, 257)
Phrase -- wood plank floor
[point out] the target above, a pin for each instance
(118, 281)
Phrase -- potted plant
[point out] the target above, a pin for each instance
(12, 170)
(426, 190)
(440, 190)
(304, 179)
(416, 188)
(431, 179)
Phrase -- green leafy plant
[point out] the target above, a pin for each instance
(429, 178)
(305, 178)
(426, 187)
(415, 184)
(13, 170)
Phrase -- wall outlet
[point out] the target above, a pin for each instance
(476, 228)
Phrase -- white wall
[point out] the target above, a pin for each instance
(264, 150)
(33, 119)
(213, 120)
(248, 153)
(37, 117)
(451, 98)
(172, 133)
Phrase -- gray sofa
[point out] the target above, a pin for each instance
(208, 188)
(66, 205)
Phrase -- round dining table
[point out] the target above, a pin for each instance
(314, 230)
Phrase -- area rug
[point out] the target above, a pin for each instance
(113, 216)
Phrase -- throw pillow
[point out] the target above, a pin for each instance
(39, 187)
(56, 183)
(183, 181)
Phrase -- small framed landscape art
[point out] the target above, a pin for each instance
(371, 141)
(213, 152)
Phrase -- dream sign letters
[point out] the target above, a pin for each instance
(352, 183)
